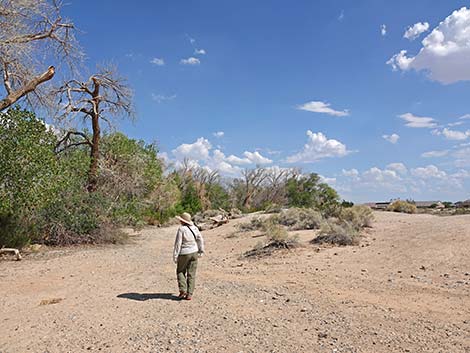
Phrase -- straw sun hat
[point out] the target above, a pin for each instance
(185, 218)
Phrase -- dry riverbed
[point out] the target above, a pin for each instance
(406, 288)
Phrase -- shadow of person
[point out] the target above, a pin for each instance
(147, 296)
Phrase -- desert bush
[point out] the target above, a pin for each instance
(277, 239)
(255, 223)
(358, 216)
(300, 218)
(402, 206)
(273, 208)
(235, 213)
(337, 233)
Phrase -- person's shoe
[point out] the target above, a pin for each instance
(182, 295)
(188, 297)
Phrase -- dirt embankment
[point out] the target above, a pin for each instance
(405, 289)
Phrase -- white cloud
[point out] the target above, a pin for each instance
(454, 134)
(198, 150)
(199, 52)
(416, 30)
(400, 61)
(393, 138)
(457, 123)
(444, 53)
(431, 171)
(465, 117)
(435, 154)
(157, 61)
(462, 157)
(219, 162)
(318, 147)
(219, 134)
(327, 180)
(400, 168)
(353, 173)
(383, 30)
(378, 175)
(190, 61)
(159, 98)
(256, 158)
(250, 158)
(321, 107)
(418, 122)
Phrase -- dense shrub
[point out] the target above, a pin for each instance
(300, 218)
(255, 223)
(308, 191)
(402, 206)
(358, 216)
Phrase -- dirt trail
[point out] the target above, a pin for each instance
(405, 289)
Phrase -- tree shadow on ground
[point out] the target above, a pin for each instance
(141, 297)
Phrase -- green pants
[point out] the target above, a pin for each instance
(186, 272)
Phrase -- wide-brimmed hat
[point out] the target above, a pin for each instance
(185, 218)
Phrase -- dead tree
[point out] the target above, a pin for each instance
(252, 180)
(103, 97)
(33, 32)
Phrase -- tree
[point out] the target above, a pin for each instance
(308, 191)
(103, 97)
(32, 32)
(250, 184)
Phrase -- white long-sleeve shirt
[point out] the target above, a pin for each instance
(185, 242)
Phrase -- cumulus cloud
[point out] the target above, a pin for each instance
(250, 158)
(318, 147)
(435, 154)
(352, 173)
(393, 138)
(416, 30)
(431, 171)
(400, 168)
(190, 61)
(444, 53)
(199, 52)
(321, 107)
(455, 135)
(417, 121)
(157, 61)
(383, 30)
(465, 117)
(219, 134)
(198, 150)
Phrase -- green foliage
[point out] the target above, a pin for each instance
(190, 201)
(402, 206)
(309, 192)
(218, 197)
(346, 204)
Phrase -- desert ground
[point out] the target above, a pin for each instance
(405, 288)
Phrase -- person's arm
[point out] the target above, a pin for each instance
(178, 241)
(200, 243)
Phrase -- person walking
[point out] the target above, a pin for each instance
(189, 245)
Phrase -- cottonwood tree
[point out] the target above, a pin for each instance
(245, 188)
(33, 32)
(103, 97)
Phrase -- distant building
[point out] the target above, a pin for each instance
(427, 204)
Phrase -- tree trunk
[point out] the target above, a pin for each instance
(14, 96)
(94, 154)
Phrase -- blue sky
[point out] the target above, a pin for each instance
(298, 84)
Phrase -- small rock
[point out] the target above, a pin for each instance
(322, 335)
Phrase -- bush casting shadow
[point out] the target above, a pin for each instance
(141, 297)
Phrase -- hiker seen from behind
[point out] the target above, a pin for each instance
(189, 245)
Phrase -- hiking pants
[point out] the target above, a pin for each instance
(186, 272)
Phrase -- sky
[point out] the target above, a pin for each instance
(372, 95)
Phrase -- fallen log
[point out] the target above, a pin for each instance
(16, 252)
